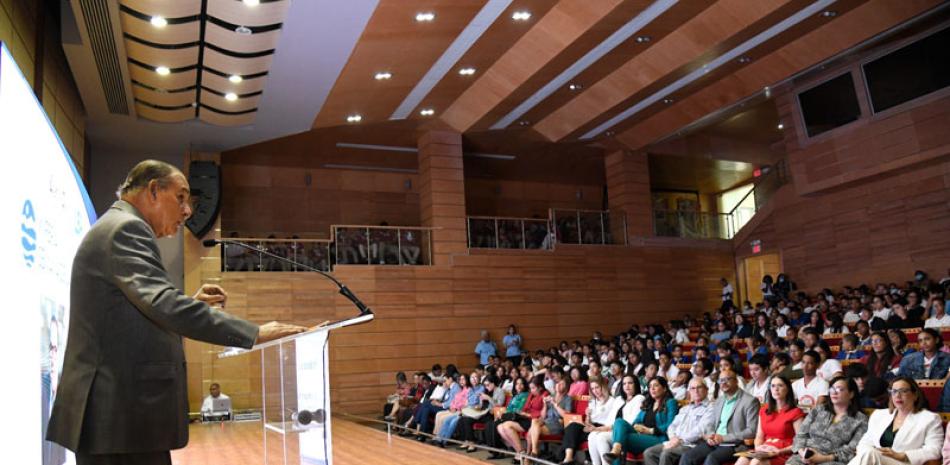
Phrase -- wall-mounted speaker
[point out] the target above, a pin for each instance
(205, 180)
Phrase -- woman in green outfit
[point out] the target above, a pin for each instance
(649, 428)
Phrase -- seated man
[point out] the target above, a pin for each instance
(686, 430)
(811, 389)
(735, 418)
(217, 405)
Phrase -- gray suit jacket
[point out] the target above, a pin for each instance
(743, 421)
(123, 387)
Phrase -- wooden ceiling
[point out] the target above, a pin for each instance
(642, 69)
(216, 55)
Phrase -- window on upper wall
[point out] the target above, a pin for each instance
(909, 72)
(829, 105)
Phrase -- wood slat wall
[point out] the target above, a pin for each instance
(434, 314)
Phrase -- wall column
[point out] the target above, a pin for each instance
(442, 193)
(628, 190)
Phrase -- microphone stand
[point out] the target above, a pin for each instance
(344, 291)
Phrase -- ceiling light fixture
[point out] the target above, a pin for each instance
(668, 100)
(643, 39)
(235, 78)
(354, 119)
(781, 126)
(524, 122)
(425, 17)
(158, 21)
(609, 133)
(383, 75)
(243, 30)
(162, 70)
(829, 13)
(575, 87)
(252, 2)
(744, 59)
(467, 71)
(521, 16)
(427, 112)
(230, 96)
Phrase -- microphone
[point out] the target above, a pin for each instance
(344, 291)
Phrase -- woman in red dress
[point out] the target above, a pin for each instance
(779, 420)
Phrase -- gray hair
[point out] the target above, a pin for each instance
(143, 173)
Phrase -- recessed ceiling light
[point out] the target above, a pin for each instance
(252, 2)
(575, 87)
(524, 122)
(643, 39)
(194, 104)
(425, 17)
(781, 126)
(427, 112)
(383, 75)
(829, 13)
(521, 16)
(609, 133)
(744, 59)
(235, 78)
(467, 71)
(354, 119)
(230, 96)
(158, 21)
(162, 70)
(243, 30)
(668, 100)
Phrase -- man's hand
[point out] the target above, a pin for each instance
(275, 330)
(713, 439)
(212, 294)
(673, 442)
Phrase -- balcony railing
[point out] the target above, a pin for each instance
(509, 233)
(309, 252)
(382, 245)
(589, 227)
(692, 225)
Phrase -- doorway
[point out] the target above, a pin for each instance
(754, 269)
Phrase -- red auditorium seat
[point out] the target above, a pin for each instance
(932, 389)
(911, 334)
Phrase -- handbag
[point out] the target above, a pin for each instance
(473, 412)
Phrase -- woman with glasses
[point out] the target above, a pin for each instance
(831, 431)
(905, 432)
(779, 420)
(649, 428)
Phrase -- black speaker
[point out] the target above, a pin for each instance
(205, 180)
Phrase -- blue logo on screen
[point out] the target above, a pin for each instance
(28, 228)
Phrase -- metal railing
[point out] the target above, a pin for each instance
(589, 227)
(488, 232)
(382, 245)
(310, 252)
(707, 225)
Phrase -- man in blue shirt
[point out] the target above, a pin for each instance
(485, 348)
(735, 418)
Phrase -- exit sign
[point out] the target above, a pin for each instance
(756, 246)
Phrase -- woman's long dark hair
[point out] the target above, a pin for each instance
(885, 360)
(854, 406)
(648, 402)
(789, 396)
(636, 387)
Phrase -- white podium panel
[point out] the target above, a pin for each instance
(296, 394)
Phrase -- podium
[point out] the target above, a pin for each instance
(296, 395)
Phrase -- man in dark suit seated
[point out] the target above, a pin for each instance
(123, 398)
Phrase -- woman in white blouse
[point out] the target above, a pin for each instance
(906, 432)
(626, 406)
(598, 418)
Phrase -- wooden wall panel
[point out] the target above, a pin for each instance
(434, 314)
(628, 187)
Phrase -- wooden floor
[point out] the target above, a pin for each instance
(241, 443)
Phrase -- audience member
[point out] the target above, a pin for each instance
(648, 428)
(906, 432)
(831, 431)
(779, 421)
(735, 418)
(811, 389)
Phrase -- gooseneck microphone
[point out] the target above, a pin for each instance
(344, 291)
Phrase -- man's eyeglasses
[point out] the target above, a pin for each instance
(724, 380)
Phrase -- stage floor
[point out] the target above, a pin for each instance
(241, 443)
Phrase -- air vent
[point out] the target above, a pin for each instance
(102, 43)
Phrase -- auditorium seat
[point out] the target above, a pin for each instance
(932, 389)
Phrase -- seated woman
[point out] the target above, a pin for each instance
(551, 420)
(649, 428)
(881, 359)
(648, 372)
(904, 433)
(509, 430)
(599, 442)
(492, 396)
(455, 406)
(899, 342)
(831, 431)
(597, 416)
(779, 421)
(722, 332)
(398, 398)
(473, 392)
(579, 384)
(492, 439)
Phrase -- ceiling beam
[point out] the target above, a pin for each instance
(557, 30)
(825, 42)
(704, 32)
